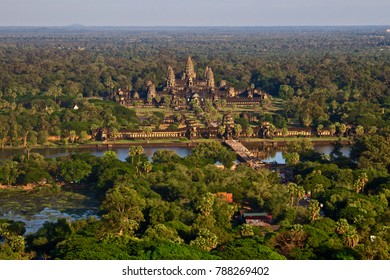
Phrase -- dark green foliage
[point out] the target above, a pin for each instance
(74, 170)
(247, 249)
(50, 235)
(89, 248)
(243, 122)
(212, 152)
(173, 251)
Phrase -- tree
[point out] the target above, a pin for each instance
(221, 131)
(314, 209)
(320, 128)
(161, 233)
(165, 156)
(248, 249)
(43, 135)
(372, 151)
(342, 129)
(359, 130)
(296, 193)
(332, 129)
(286, 92)
(246, 230)
(55, 91)
(249, 131)
(124, 209)
(342, 226)
(84, 136)
(205, 240)
(132, 153)
(351, 238)
(136, 152)
(12, 245)
(360, 183)
(307, 120)
(205, 205)
(114, 133)
(148, 131)
(74, 170)
(32, 138)
(287, 241)
(9, 172)
(146, 166)
(72, 136)
(109, 156)
(291, 158)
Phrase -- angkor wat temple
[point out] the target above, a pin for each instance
(184, 87)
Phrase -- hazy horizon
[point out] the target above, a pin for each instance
(78, 25)
(201, 13)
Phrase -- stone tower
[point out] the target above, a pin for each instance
(210, 78)
(171, 81)
(190, 72)
(151, 90)
(228, 123)
(231, 92)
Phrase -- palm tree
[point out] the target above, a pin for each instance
(314, 209)
(147, 166)
(296, 193)
(332, 129)
(148, 131)
(342, 129)
(114, 133)
(351, 238)
(139, 150)
(361, 182)
(292, 190)
(342, 226)
(132, 153)
(320, 127)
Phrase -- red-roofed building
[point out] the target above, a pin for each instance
(224, 196)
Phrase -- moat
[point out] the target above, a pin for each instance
(269, 154)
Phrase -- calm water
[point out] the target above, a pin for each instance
(35, 220)
(277, 156)
(122, 152)
(269, 156)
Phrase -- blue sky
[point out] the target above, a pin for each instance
(193, 13)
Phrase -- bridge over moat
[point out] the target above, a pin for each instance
(244, 154)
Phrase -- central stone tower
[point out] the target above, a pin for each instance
(190, 72)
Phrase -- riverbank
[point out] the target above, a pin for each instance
(282, 142)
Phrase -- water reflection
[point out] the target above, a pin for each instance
(267, 155)
(276, 154)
